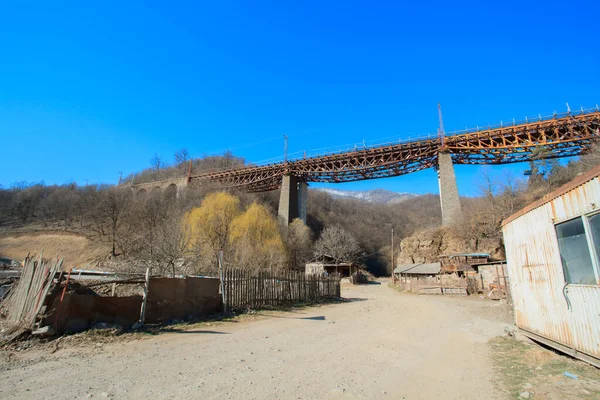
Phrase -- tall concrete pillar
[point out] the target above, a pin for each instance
(288, 200)
(449, 198)
(302, 200)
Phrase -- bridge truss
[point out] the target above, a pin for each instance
(563, 135)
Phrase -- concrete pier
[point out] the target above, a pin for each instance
(293, 200)
(449, 199)
(302, 200)
(288, 200)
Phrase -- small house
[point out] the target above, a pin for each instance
(329, 265)
(553, 256)
(425, 278)
(492, 279)
(462, 263)
(417, 271)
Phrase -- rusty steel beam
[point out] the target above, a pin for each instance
(560, 136)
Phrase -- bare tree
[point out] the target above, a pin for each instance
(509, 198)
(297, 244)
(592, 157)
(172, 241)
(112, 209)
(156, 162)
(339, 244)
(182, 156)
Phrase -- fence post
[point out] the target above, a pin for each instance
(145, 298)
(499, 283)
(505, 283)
(222, 280)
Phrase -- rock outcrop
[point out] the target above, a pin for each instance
(428, 245)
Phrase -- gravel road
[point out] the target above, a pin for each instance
(381, 345)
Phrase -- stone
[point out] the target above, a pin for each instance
(107, 326)
(45, 331)
(525, 395)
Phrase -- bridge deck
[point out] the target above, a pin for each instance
(559, 136)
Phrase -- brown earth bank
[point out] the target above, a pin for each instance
(77, 250)
(382, 344)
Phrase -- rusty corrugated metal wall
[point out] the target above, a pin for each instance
(543, 305)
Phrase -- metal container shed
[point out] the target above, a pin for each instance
(553, 255)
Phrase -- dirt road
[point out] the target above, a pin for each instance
(381, 345)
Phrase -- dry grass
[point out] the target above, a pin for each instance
(77, 250)
(523, 366)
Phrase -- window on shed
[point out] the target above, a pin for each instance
(594, 223)
(575, 252)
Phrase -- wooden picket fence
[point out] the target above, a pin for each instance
(255, 289)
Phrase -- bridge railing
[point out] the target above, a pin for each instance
(527, 120)
(327, 151)
(321, 152)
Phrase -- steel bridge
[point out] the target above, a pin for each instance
(559, 135)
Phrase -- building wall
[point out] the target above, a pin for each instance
(314, 268)
(319, 268)
(489, 274)
(416, 282)
(168, 299)
(537, 279)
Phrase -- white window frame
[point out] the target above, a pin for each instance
(594, 257)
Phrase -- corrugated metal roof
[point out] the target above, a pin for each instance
(466, 255)
(578, 181)
(489, 263)
(425, 269)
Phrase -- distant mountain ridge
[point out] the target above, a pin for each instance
(379, 196)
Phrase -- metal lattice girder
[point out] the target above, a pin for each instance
(560, 137)
(563, 136)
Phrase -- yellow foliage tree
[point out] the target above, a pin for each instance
(256, 240)
(211, 222)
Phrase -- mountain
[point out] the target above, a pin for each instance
(379, 196)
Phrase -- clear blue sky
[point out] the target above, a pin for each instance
(89, 90)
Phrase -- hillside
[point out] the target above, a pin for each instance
(76, 249)
(112, 223)
(378, 196)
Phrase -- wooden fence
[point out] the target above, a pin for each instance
(27, 297)
(255, 289)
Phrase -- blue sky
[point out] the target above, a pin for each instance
(88, 90)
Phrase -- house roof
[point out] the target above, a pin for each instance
(466, 255)
(328, 264)
(330, 261)
(421, 269)
(578, 181)
(489, 263)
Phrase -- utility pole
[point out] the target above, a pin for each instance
(393, 276)
(189, 174)
(441, 133)
(285, 147)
